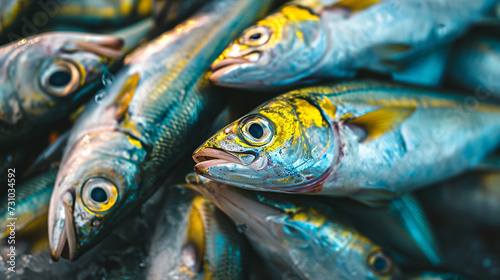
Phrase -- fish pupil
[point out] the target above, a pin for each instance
(60, 78)
(256, 131)
(380, 264)
(255, 36)
(98, 195)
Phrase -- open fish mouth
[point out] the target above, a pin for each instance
(227, 65)
(61, 230)
(210, 157)
(109, 47)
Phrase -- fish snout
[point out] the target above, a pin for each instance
(61, 228)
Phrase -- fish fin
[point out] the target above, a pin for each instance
(123, 98)
(354, 5)
(380, 121)
(427, 70)
(416, 223)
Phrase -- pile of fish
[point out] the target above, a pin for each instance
(373, 153)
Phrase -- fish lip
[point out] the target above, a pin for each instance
(210, 157)
(226, 65)
(109, 47)
(66, 246)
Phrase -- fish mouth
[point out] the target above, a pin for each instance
(226, 65)
(110, 47)
(210, 157)
(61, 230)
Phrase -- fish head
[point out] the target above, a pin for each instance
(286, 145)
(54, 70)
(280, 49)
(316, 240)
(305, 234)
(94, 188)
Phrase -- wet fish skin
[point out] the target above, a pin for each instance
(99, 13)
(43, 78)
(155, 110)
(302, 239)
(474, 64)
(307, 40)
(365, 139)
(194, 240)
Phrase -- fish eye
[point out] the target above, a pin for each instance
(380, 263)
(99, 194)
(255, 36)
(61, 78)
(257, 130)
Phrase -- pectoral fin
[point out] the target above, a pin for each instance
(123, 98)
(379, 122)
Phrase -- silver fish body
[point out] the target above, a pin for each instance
(165, 11)
(475, 65)
(124, 146)
(195, 240)
(402, 227)
(300, 238)
(98, 13)
(363, 139)
(307, 40)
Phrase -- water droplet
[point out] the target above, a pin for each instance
(100, 96)
(242, 228)
(107, 79)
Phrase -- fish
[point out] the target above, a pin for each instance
(474, 62)
(124, 146)
(195, 240)
(363, 139)
(310, 40)
(301, 239)
(471, 199)
(99, 13)
(44, 78)
(31, 206)
(26, 203)
(63, 70)
(402, 227)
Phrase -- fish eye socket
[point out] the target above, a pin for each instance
(61, 78)
(255, 36)
(257, 130)
(99, 194)
(380, 263)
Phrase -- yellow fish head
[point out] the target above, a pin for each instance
(285, 145)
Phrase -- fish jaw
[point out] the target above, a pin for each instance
(61, 228)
